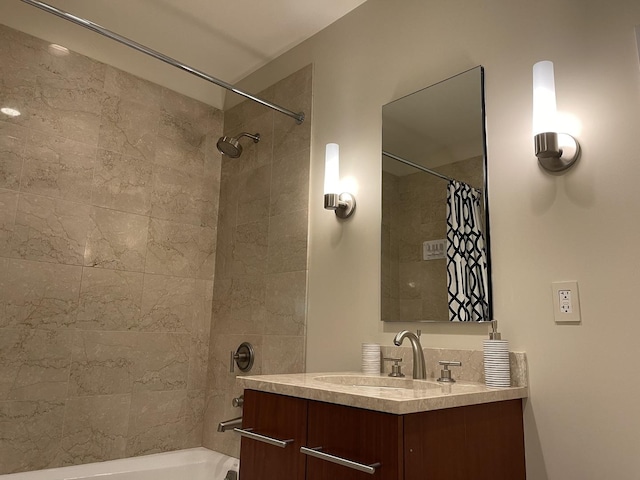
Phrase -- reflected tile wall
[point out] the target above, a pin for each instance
(414, 211)
(109, 190)
(260, 287)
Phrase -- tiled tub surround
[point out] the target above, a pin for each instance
(261, 260)
(109, 190)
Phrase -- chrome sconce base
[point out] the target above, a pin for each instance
(343, 204)
(556, 152)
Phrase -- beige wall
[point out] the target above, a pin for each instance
(260, 287)
(108, 211)
(581, 422)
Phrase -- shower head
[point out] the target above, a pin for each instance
(230, 146)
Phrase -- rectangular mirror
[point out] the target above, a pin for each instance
(435, 219)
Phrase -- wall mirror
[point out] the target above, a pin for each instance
(435, 219)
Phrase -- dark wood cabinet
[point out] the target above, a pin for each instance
(281, 418)
(477, 442)
(358, 435)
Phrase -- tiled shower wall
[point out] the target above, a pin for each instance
(414, 211)
(109, 192)
(261, 263)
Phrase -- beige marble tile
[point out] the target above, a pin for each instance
(109, 299)
(247, 307)
(219, 376)
(57, 167)
(250, 248)
(180, 196)
(95, 429)
(128, 127)
(203, 308)
(168, 304)
(50, 230)
(68, 96)
(34, 364)
(194, 418)
(122, 182)
(283, 354)
(290, 183)
(8, 208)
(288, 136)
(218, 409)
(180, 249)
(31, 434)
(222, 304)
(129, 87)
(12, 144)
(38, 295)
(226, 226)
(106, 363)
(211, 184)
(199, 116)
(288, 242)
(198, 362)
(157, 422)
(253, 198)
(286, 303)
(181, 141)
(298, 83)
(116, 240)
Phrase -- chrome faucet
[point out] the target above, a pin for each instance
(419, 369)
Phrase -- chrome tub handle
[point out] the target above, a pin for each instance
(315, 452)
(249, 433)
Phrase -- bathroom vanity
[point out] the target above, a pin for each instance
(349, 426)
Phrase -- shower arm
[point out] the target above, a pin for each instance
(299, 117)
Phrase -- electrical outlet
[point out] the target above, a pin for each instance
(566, 302)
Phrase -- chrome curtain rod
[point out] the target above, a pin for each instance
(299, 117)
(415, 165)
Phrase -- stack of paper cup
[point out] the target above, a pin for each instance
(496, 363)
(371, 358)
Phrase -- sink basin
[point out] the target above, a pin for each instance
(378, 382)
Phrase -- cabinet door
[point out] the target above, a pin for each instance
(278, 417)
(362, 436)
(478, 442)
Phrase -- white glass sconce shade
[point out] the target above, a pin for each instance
(556, 151)
(343, 204)
(544, 98)
(332, 168)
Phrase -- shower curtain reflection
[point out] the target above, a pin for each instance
(466, 255)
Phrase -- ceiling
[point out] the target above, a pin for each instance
(227, 39)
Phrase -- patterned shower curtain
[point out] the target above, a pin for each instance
(466, 255)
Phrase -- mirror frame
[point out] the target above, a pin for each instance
(485, 200)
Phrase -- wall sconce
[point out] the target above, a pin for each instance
(344, 204)
(556, 151)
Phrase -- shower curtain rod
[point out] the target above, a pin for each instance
(415, 165)
(299, 117)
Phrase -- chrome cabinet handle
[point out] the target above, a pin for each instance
(248, 432)
(315, 452)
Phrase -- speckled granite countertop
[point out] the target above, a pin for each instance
(381, 393)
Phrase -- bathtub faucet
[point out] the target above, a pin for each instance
(229, 424)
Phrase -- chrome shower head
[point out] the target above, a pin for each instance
(230, 146)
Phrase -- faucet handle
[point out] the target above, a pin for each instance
(445, 373)
(396, 368)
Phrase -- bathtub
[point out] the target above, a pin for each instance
(191, 464)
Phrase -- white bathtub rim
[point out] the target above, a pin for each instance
(107, 468)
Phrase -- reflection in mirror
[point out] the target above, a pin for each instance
(435, 251)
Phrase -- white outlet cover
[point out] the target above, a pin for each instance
(566, 302)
